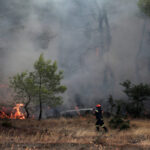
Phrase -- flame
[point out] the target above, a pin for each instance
(15, 114)
(3, 115)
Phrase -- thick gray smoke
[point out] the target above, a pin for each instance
(98, 43)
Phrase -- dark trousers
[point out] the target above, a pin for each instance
(100, 122)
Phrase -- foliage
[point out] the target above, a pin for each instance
(125, 125)
(23, 85)
(144, 5)
(137, 95)
(47, 83)
(117, 106)
(41, 86)
(117, 122)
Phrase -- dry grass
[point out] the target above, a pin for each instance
(72, 133)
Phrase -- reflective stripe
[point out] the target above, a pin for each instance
(103, 126)
(96, 110)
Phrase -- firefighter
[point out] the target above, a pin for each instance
(99, 118)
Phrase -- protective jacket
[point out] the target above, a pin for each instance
(98, 113)
(99, 118)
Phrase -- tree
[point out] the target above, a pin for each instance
(47, 83)
(23, 85)
(42, 85)
(111, 103)
(144, 5)
(137, 95)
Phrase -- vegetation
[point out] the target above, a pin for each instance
(117, 122)
(134, 106)
(72, 133)
(144, 5)
(23, 85)
(41, 86)
(111, 103)
(47, 83)
(137, 94)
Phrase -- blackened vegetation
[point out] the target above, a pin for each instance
(134, 106)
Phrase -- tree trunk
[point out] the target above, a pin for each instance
(26, 107)
(27, 112)
(40, 115)
(40, 101)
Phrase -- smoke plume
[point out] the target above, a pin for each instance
(98, 43)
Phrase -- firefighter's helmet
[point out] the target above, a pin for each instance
(98, 105)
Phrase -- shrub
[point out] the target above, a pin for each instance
(144, 5)
(118, 122)
(125, 125)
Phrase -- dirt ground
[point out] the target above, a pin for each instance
(76, 133)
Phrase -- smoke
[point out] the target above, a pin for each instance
(98, 43)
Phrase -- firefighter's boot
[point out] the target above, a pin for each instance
(97, 128)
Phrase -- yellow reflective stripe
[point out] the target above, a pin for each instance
(96, 110)
(103, 126)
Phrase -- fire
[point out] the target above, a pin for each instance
(3, 115)
(15, 114)
(18, 114)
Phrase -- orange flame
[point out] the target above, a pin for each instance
(18, 114)
(15, 114)
(3, 115)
